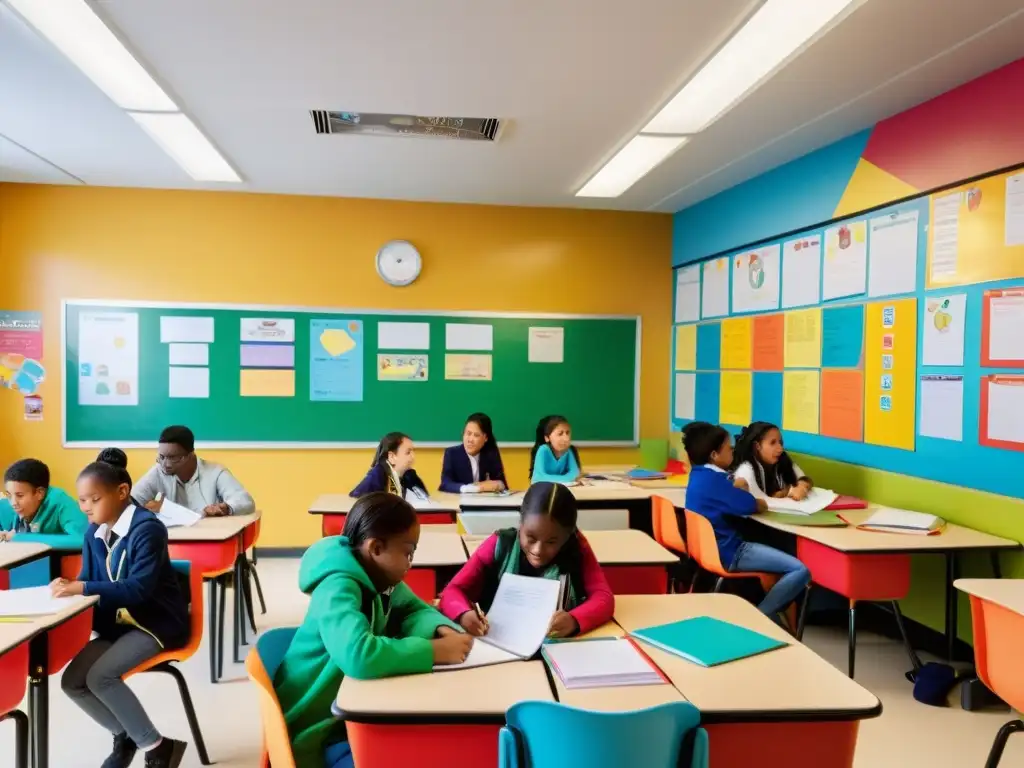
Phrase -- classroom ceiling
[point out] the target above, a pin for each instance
(574, 80)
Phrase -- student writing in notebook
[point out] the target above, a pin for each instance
(554, 459)
(548, 545)
(31, 507)
(391, 470)
(711, 493)
(361, 621)
(475, 466)
(762, 466)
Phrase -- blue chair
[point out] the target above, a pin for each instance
(542, 734)
(261, 664)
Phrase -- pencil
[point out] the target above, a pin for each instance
(479, 613)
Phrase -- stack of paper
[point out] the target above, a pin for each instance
(175, 516)
(33, 601)
(817, 499)
(707, 641)
(608, 485)
(600, 663)
(889, 520)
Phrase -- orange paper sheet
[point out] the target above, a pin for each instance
(842, 404)
(769, 342)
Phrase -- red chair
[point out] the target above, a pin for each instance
(14, 673)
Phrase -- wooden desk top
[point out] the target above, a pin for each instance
(789, 681)
(483, 694)
(438, 548)
(852, 539)
(1009, 593)
(341, 504)
(439, 528)
(628, 547)
(13, 634)
(13, 553)
(213, 528)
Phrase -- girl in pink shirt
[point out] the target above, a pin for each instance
(546, 545)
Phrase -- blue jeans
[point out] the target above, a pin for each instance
(760, 557)
(338, 755)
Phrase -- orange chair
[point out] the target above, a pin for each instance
(261, 664)
(14, 673)
(997, 657)
(164, 662)
(665, 524)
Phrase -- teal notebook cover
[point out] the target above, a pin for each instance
(707, 641)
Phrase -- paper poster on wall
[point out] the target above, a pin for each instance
(736, 398)
(685, 403)
(686, 347)
(21, 374)
(890, 373)
(188, 354)
(469, 337)
(769, 343)
(800, 401)
(403, 335)
(108, 358)
(1002, 329)
(267, 330)
(803, 338)
(402, 368)
(801, 271)
(942, 407)
(33, 407)
(1002, 412)
(21, 333)
(943, 333)
(737, 342)
(336, 360)
(546, 345)
(188, 382)
(467, 367)
(842, 336)
(893, 244)
(715, 288)
(186, 329)
(755, 279)
(945, 237)
(842, 404)
(267, 356)
(706, 397)
(688, 294)
(845, 269)
(1014, 227)
(255, 382)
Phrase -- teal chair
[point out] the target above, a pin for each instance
(542, 734)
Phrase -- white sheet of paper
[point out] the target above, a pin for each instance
(688, 294)
(34, 601)
(942, 407)
(546, 345)
(1015, 209)
(404, 336)
(816, 500)
(801, 272)
(1006, 326)
(890, 517)
(945, 235)
(189, 354)
(1005, 411)
(108, 358)
(686, 396)
(845, 269)
(943, 332)
(755, 279)
(715, 289)
(482, 654)
(178, 328)
(521, 613)
(277, 330)
(188, 382)
(174, 515)
(893, 251)
(473, 337)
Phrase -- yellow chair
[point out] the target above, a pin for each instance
(261, 664)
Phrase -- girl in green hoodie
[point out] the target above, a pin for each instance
(361, 621)
(33, 510)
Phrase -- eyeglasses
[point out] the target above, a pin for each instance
(171, 460)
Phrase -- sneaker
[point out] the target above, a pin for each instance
(122, 754)
(167, 754)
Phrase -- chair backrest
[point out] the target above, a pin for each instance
(997, 643)
(543, 734)
(666, 525)
(702, 544)
(261, 664)
(195, 589)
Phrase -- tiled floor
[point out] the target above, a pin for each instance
(907, 734)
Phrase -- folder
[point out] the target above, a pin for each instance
(707, 641)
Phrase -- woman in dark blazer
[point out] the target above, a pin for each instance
(392, 470)
(475, 466)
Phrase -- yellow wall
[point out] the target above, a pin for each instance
(75, 242)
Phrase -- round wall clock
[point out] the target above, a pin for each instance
(399, 263)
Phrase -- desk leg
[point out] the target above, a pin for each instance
(212, 608)
(239, 611)
(951, 605)
(39, 700)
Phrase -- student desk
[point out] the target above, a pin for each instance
(867, 565)
(438, 557)
(787, 708)
(13, 555)
(436, 720)
(333, 507)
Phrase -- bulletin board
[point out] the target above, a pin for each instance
(892, 339)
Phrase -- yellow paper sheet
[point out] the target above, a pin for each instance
(258, 382)
(336, 341)
(686, 347)
(736, 398)
(800, 401)
(803, 339)
(890, 373)
(467, 367)
(737, 343)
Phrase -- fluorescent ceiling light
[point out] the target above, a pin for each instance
(630, 164)
(82, 36)
(187, 145)
(777, 32)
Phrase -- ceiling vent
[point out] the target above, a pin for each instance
(378, 124)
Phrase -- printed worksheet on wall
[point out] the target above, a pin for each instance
(715, 290)
(942, 407)
(846, 261)
(801, 272)
(1015, 209)
(755, 280)
(944, 322)
(688, 294)
(893, 244)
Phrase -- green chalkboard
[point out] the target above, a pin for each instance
(596, 386)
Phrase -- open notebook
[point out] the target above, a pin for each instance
(33, 601)
(889, 520)
(176, 516)
(816, 500)
(518, 622)
(600, 663)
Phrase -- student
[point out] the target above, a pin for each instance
(475, 466)
(554, 459)
(142, 611)
(391, 470)
(182, 477)
(711, 493)
(361, 621)
(547, 544)
(762, 466)
(31, 507)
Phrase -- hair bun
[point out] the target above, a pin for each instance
(115, 457)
